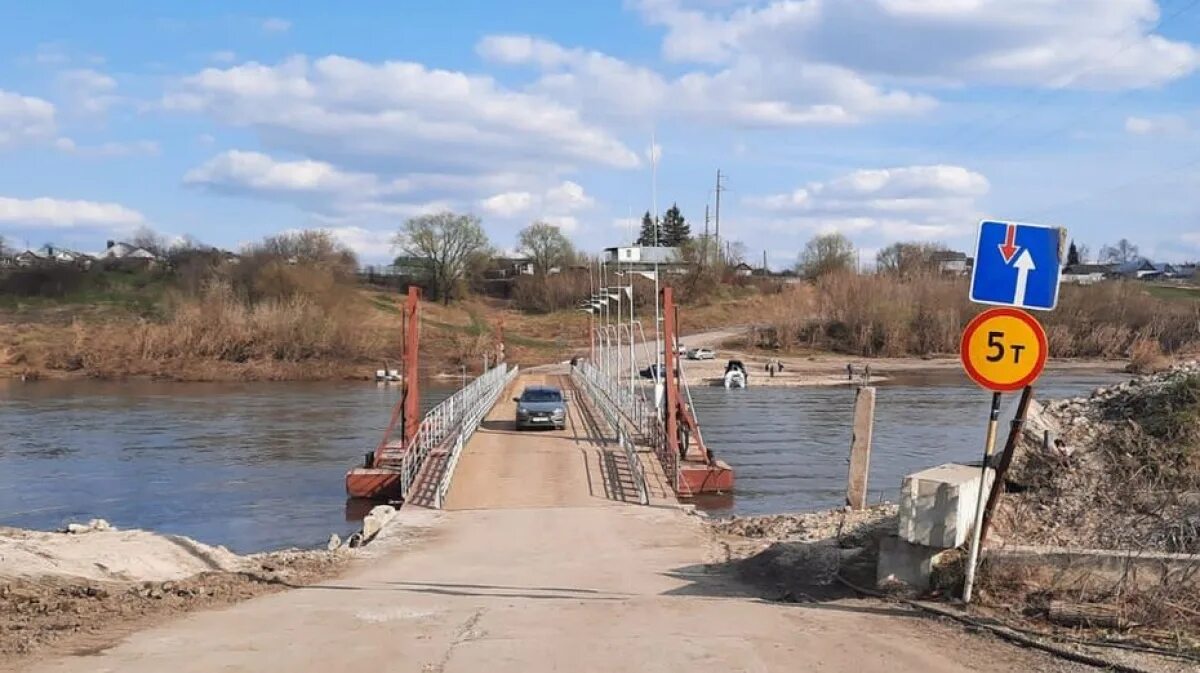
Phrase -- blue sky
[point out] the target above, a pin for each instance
(885, 120)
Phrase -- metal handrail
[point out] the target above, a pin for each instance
(469, 425)
(612, 413)
(444, 418)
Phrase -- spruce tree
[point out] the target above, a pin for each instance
(647, 235)
(675, 229)
(1072, 255)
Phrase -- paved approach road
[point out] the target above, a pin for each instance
(540, 564)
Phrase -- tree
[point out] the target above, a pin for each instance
(1072, 255)
(648, 236)
(826, 254)
(313, 247)
(148, 239)
(546, 245)
(1122, 252)
(907, 258)
(4, 249)
(1084, 253)
(675, 229)
(448, 243)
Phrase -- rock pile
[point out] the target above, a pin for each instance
(1119, 469)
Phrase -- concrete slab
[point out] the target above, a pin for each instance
(901, 562)
(937, 506)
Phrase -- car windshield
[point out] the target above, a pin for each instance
(541, 396)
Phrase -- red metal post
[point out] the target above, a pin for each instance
(670, 376)
(412, 369)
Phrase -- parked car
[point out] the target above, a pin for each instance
(541, 407)
(701, 354)
(649, 372)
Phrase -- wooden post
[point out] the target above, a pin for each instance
(860, 447)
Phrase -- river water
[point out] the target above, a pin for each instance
(790, 447)
(259, 466)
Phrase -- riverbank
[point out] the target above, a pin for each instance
(80, 592)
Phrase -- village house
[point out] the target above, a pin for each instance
(951, 262)
(1086, 274)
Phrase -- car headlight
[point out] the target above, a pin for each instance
(522, 412)
(558, 413)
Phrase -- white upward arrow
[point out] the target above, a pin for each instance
(1024, 265)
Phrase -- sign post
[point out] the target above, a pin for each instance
(1005, 349)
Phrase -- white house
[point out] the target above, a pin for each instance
(1086, 274)
(119, 250)
(951, 261)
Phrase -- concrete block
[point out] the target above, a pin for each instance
(374, 521)
(937, 506)
(901, 562)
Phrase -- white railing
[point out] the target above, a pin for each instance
(587, 379)
(471, 423)
(448, 417)
(634, 407)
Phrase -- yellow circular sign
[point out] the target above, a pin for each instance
(1004, 349)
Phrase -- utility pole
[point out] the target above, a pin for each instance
(704, 248)
(764, 263)
(718, 218)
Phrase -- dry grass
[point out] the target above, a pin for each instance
(881, 316)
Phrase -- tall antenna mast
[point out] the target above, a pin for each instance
(718, 218)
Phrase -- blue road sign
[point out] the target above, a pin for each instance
(1017, 265)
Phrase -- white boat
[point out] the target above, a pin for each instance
(387, 375)
(735, 375)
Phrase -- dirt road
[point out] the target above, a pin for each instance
(541, 565)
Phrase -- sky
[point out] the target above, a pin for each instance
(884, 120)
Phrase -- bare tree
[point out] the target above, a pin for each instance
(826, 254)
(1122, 252)
(311, 246)
(546, 245)
(148, 239)
(906, 258)
(4, 249)
(448, 244)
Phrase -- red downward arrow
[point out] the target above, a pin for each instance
(1009, 248)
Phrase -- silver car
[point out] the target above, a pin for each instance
(541, 407)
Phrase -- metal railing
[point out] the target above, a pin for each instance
(587, 379)
(448, 417)
(470, 423)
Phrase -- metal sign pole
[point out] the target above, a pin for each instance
(977, 529)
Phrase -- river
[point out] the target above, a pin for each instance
(259, 466)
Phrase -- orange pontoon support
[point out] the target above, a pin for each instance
(379, 479)
(698, 471)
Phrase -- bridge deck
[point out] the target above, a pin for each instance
(544, 568)
(577, 467)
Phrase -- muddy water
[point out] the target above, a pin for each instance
(249, 466)
(790, 447)
(259, 466)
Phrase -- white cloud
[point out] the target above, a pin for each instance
(368, 244)
(921, 202)
(1164, 125)
(223, 56)
(554, 205)
(59, 213)
(253, 172)
(568, 197)
(89, 91)
(276, 25)
(568, 223)
(147, 148)
(398, 114)
(508, 204)
(1049, 43)
(24, 119)
(748, 91)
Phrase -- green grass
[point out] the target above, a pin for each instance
(1174, 292)
(384, 303)
(140, 294)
